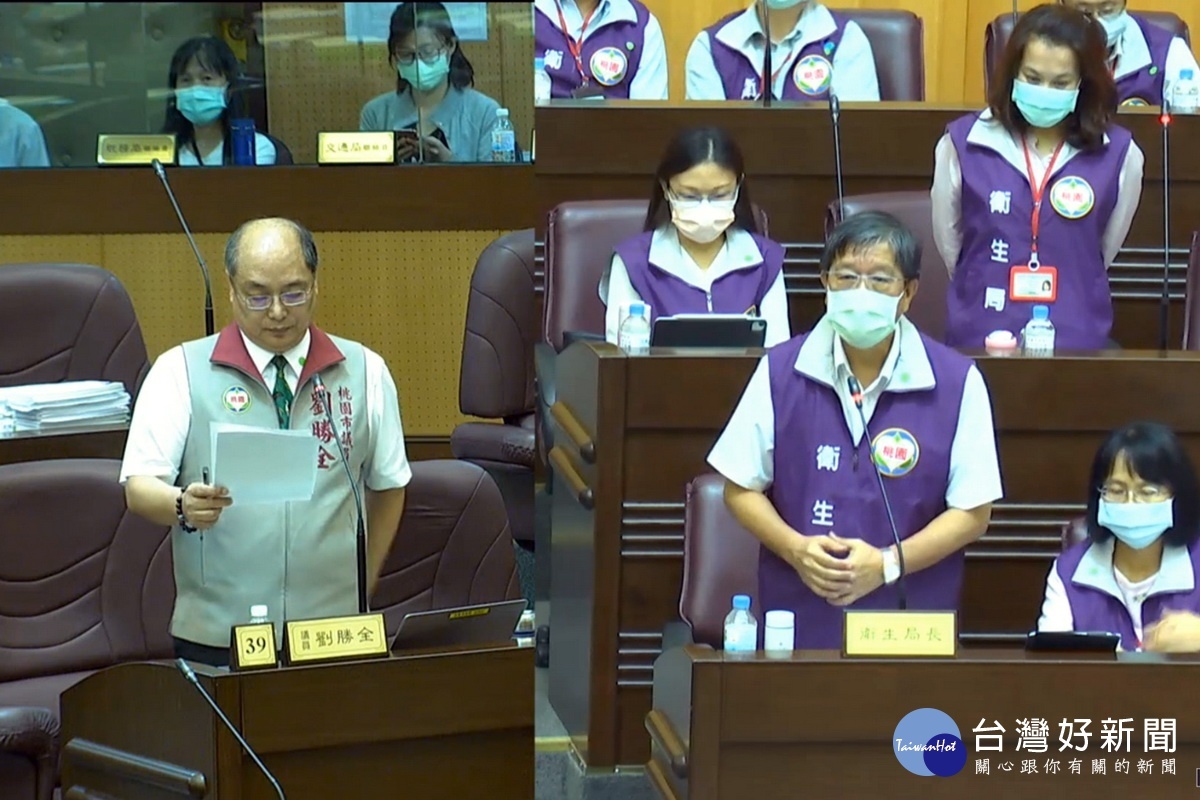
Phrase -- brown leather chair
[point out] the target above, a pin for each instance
(928, 310)
(1191, 301)
(453, 548)
(999, 31)
(898, 43)
(496, 375)
(86, 584)
(68, 322)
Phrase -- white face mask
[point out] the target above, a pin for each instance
(862, 318)
(1114, 26)
(705, 221)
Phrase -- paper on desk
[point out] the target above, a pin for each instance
(261, 466)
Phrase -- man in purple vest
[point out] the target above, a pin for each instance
(1145, 57)
(814, 501)
(601, 48)
(814, 52)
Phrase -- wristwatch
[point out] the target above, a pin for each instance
(891, 565)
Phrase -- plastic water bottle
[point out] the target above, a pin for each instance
(526, 628)
(741, 628)
(258, 615)
(1038, 337)
(634, 334)
(504, 139)
(542, 85)
(242, 145)
(1185, 93)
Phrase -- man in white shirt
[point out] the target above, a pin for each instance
(270, 369)
(814, 52)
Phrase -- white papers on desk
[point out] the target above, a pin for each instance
(260, 466)
(69, 404)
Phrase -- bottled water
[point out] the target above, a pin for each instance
(542, 85)
(634, 334)
(504, 138)
(741, 629)
(1038, 337)
(1185, 93)
(258, 615)
(526, 628)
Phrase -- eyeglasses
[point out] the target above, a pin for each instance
(683, 200)
(426, 54)
(262, 302)
(1146, 493)
(842, 281)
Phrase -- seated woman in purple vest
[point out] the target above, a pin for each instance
(801, 475)
(701, 251)
(1144, 57)
(1048, 133)
(1136, 575)
(814, 52)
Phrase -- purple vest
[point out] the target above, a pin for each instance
(736, 292)
(738, 74)
(606, 47)
(1147, 83)
(815, 500)
(994, 242)
(1095, 610)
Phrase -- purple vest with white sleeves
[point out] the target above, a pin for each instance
(810, 70)
(1095, 610)
(738, 292)
(997, 213)
(611, 54)
(823, 485)
(1147, 83)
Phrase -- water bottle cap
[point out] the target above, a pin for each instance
(741, 602)
(258, 611)
(539, 62)
(1187, 74)
(637, 309)
(781, 619)
(1041, 312)
(501, 112)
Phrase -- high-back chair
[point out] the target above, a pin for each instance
(898, 43)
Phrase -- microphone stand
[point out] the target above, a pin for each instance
(208, 303)
(768, 89)
(835, 111)
(360, 533)
(1164, 310)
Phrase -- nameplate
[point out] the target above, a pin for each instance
(356, 147)
(253, 647)
(919, 634)
(135, 148)
(335, 638)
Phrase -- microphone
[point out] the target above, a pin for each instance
(835, 112)
(767, 90)
(208, 306)
(856, 395)
(1164, 306)
(361, 531)
(1016, 12)
(186, 669)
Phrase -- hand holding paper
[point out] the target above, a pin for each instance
(260, 466)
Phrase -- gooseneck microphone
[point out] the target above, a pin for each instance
(361, 530)
(208, 306)
(835, 112)
(856, 395)
(768, 88)
(1164, 303)
(186, 669)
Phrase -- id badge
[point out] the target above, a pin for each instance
(1033, 285)
(588, 91)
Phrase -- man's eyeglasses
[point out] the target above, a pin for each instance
(426, 54)
(882, 283)
(262, 302)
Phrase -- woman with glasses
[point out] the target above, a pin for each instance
(436, 113)
(702, 250)
(1033, 197)
(1136, 574)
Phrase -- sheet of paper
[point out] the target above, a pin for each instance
(261, 466)
(369, 22)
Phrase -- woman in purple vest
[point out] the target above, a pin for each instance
(1136, 575)
(1041, 187)
(702, 251)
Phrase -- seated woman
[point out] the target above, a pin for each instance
(433, 99)
(1136, 574)
(203, 74)
(701, 251)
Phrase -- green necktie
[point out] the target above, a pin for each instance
(282, 394)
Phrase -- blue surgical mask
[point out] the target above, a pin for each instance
(1043, 106)
(775, 5)
(1114, 26)
(1138, 525)
(425, 77)
(201, 105)
(862, 318)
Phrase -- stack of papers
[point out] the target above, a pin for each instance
(56, 406)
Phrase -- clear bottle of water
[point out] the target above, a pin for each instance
(1038, 337)
(542, 85)
(504, 138)
(1185, 93)
(741, 628)
(634, 334)
(259, 615)
(526, 628)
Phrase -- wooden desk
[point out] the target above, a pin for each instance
(816, 725)
(106, 441)
(631, 432)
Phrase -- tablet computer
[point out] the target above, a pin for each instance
(490, 623)
(709, 330)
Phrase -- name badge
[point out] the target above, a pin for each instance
(1033, 285)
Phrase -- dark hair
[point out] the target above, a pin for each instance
(692, 147)
(1065, 27)
(869, 229)
(214, 55)
(304, 237)
(433, 15)
(1153, 453)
